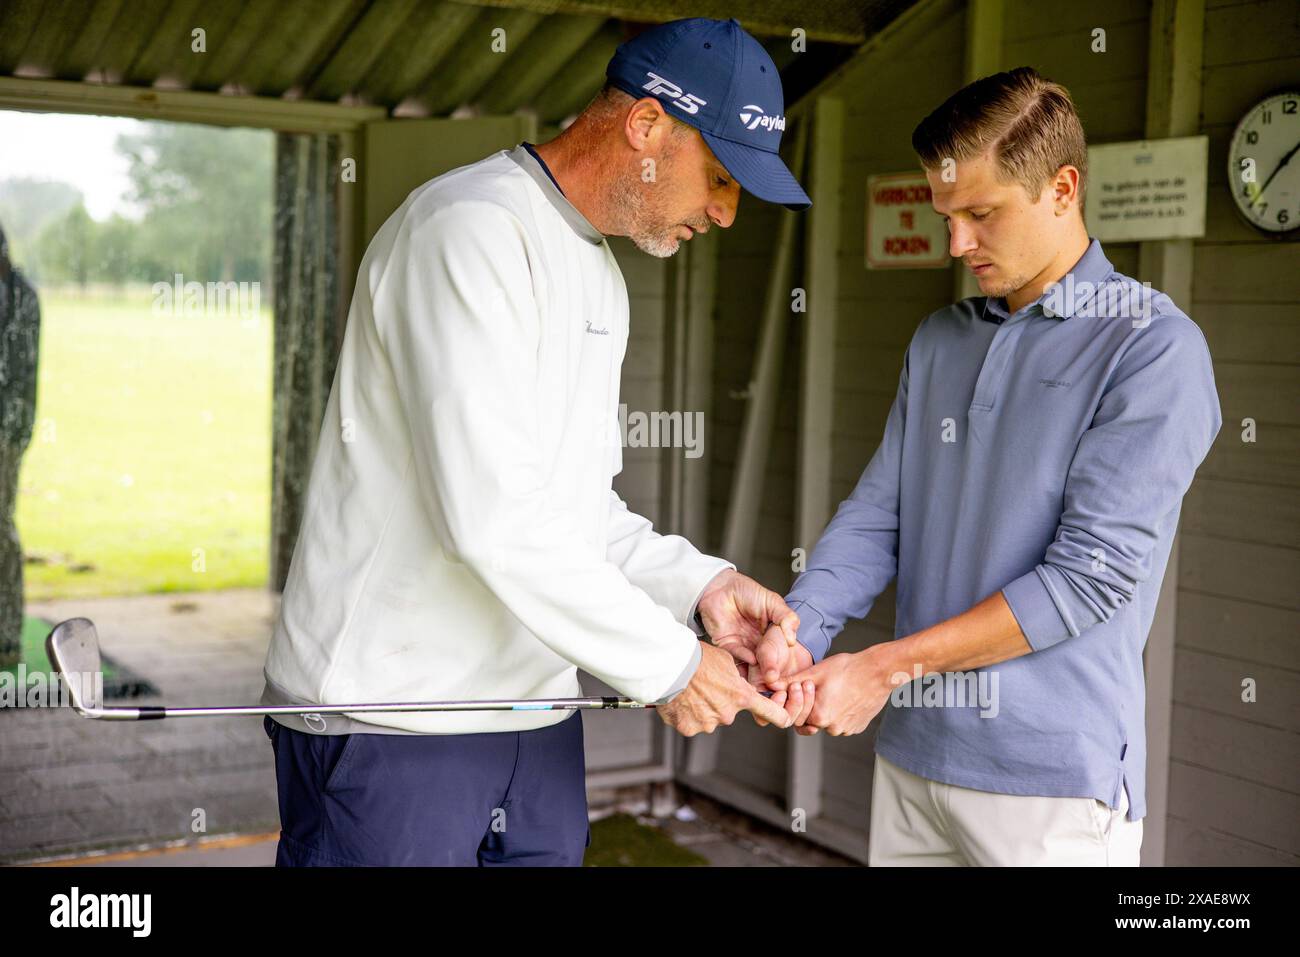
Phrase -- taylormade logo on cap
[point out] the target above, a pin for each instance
(712, 75)
(753, 117)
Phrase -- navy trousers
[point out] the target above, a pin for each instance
(500, 798)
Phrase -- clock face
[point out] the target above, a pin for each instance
(1264, 163)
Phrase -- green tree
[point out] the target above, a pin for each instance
(66, 247)
(27, 206)
(114, 245)
(206, 194)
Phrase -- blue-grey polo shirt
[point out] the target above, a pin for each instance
(1045, 454)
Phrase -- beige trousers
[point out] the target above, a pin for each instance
(921, 823)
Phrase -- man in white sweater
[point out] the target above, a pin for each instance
(461, 536)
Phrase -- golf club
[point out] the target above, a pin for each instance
(73, 649)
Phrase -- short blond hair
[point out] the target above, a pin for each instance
(1028, 122)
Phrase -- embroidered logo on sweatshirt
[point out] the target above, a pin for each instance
(596, 332)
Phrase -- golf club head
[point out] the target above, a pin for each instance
(73, 649)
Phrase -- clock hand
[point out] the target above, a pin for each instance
(1285, 159)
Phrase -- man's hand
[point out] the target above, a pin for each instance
(715, 695)
(797, 697)
(849, 690)
(738, 613)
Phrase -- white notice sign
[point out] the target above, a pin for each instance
(903, 230)
(1147, 189)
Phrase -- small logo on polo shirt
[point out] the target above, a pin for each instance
(596, 332)
(1055, 383)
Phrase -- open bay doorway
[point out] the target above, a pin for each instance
(145, 354)
(145, 247)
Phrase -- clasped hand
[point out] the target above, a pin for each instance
(755, 651)
(840, 694)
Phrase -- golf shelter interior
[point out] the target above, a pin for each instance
(793, 398)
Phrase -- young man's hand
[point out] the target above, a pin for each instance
(848, 691)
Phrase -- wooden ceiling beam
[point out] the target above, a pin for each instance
(840, 21)
(418, 52)
(473, 63)
(578, 80)
(360, 46)
(545, 51)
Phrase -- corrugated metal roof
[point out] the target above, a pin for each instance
(414, 57)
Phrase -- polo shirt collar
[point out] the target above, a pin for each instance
(1081, 283)
(532, 165)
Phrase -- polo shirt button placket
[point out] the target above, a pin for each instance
(997, 360)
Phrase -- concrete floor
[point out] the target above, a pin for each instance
(722, 837)
(202, 792)
(68, 784)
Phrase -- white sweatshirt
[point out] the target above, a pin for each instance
(461, 538)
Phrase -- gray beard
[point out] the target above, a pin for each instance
(641, 221)
(635, 207)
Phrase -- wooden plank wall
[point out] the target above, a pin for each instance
(643, 371)
(1235, 767)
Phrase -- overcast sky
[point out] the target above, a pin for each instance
(72, 148)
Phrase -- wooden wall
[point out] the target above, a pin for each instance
(1235, 767)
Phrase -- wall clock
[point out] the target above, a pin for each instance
(1263, 165)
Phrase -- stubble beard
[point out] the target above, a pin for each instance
(640, 208)
(1005, 288)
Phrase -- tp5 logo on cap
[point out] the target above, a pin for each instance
(687, 101)
(719, 79)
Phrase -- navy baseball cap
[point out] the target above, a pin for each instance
(716, 77)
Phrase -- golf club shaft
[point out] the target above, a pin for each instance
(156, 712)
(73, 646)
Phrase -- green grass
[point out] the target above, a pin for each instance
(119, 682)
(34, 658)
(152, 440)
(619, 841)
